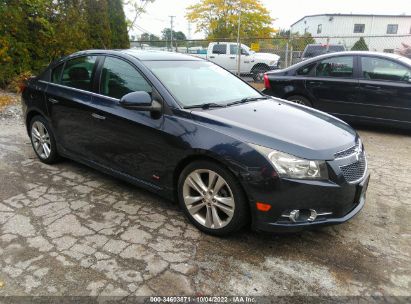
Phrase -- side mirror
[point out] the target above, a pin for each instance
(140, 101)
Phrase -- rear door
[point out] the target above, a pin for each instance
(219, 55)
(333, 85)
(385, 89)
(69, 103)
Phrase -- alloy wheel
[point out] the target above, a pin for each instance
(208, 198)
(41, 140)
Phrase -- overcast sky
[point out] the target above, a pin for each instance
(285, 12)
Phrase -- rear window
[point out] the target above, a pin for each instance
(316, 50)
(220, 49)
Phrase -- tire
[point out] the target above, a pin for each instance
(300, 100)
(206, 210)
(258, 72)
(43, 141)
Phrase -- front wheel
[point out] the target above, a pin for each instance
(212, 198)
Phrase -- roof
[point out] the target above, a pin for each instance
(140, 54)
(158, 55)
(350, 15)
(346, 53)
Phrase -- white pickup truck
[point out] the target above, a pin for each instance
(225, 54)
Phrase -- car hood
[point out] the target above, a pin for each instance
(283, 126)
(266, 56)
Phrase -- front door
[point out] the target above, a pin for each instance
(125, 140)
(385, 90)
(333, 85)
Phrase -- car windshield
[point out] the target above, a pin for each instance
(200, 82)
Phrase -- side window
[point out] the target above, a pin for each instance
(77, 72)
(234, 50)
(119, 78)
(392, 28)
(359, 28)
(382, 69)
(220, 49)
(56, 73)
(305, 70)
(341, 67)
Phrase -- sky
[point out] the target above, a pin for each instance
(285, 12)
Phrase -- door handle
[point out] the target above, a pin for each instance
(95, 115)
(54, 101)
(369, 86)
(212, 56)
(232, 57)
(315, 83)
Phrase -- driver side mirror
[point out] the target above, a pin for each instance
(140, 101)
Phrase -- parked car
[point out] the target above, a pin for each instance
(189, 130)
(355, 86)
(314, 50)
(225, 54)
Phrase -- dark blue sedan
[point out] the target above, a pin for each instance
(191, 131)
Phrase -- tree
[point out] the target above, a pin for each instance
(166, 35)
(137, 7)
(99, 32)
(219, 18)
(360, 45)
(118, 25)
(149, 37)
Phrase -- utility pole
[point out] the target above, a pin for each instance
(238, 43)
(171, 31)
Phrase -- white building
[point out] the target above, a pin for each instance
(382, 33)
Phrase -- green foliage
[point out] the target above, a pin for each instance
(219, 18)
(118, 25)
(360, 45)
(35, 32)
(166, 35)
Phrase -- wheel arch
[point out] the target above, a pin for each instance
(207, 157)
(29, 117)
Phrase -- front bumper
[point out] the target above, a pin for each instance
(343, 201)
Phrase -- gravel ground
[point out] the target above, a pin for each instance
(70, 230)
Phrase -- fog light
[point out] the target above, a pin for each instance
(304, 215)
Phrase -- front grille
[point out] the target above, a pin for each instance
(355, 171)
(347, 152)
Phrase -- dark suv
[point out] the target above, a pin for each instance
(189, 130)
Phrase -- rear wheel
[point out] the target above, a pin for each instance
(300, 100)
(42, 140)
(212, 198)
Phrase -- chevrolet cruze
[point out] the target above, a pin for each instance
(189, 130)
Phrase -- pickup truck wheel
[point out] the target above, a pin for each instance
(258, 72)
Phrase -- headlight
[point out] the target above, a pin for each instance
(273, 62)
(291, 166)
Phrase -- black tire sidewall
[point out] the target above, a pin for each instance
(53, 157)
(241, 211)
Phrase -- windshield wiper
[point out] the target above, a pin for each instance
(244, 100)
(206, 106)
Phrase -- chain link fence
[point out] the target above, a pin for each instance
(259, 55)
